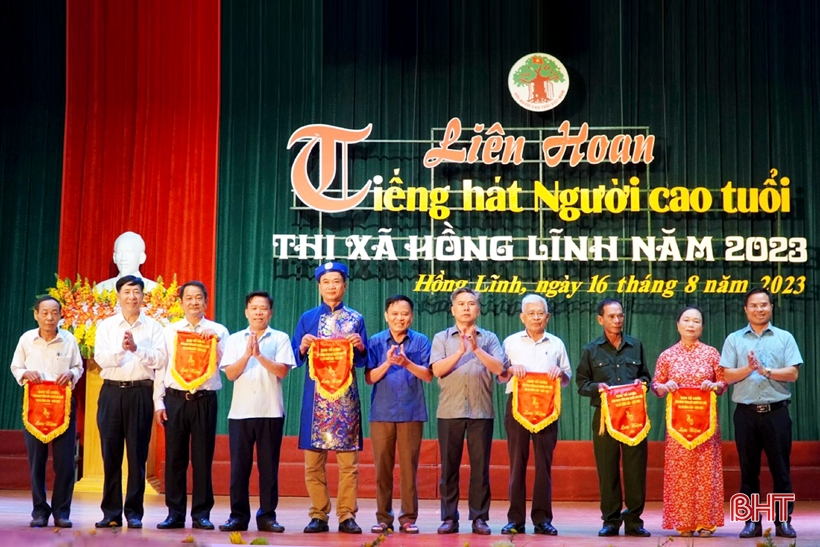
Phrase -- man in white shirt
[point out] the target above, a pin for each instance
(256, 359)
(185, 403)
(537, 351)
(49, 354)
(129, 348)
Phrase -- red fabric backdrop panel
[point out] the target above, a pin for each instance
(142, 115)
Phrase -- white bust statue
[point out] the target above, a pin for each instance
(129, 255)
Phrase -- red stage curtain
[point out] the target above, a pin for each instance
(141, 132)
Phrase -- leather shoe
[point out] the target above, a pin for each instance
(39, 522)
(513, 527)
(448, 527)
(349, 526)
(608, 530)
(480, 527)
(108, 523)
(233, 525)
(315, 526)
(545, 529)
(171, 523)
(62, 523)
(269, 525)
(201, 523)
(784, 530)
(752, 530)
(639, 532)
(134, 523)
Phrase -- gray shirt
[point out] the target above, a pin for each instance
(467, 390)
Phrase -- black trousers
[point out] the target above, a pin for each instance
(769, 432)
(608, 455)
(451, 434)
(266, 433)
(518, 448)
(62, 459)
(124, 418)
(191, 427)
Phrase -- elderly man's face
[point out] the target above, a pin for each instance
(129, 254)
(47, 316)
(194, 303)
(534, 317)
(332, 287)
(612, 319)
(130, 298)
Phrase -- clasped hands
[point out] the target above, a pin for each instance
(396, 356)
(469, 340)
(252, 346)
(756, 365)
(128, 343)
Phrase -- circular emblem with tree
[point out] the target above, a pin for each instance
(538, 82)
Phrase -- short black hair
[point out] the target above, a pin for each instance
(264, 294)
(193, 283)
(130, 280)
(397, 298)
(606, 302)
(758, 290)
(44, 299)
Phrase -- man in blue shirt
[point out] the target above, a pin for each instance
(760, 360)
(398, 362)
(331, 423)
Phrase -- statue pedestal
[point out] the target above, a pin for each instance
(93, 475)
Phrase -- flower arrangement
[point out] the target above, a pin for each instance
(83, 307)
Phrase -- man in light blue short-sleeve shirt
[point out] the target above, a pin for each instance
(760, 360)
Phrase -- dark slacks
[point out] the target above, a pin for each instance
(266, 433)
(451, 434)
(191, 423)
(384, 436)
(769, 432)
(62, 459)
(518, 448)
(608, 455)
(124, 418)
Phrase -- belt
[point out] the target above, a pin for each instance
(768, 407)
(187, 395)
(135, 383)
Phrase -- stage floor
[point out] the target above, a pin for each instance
(577, 524)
